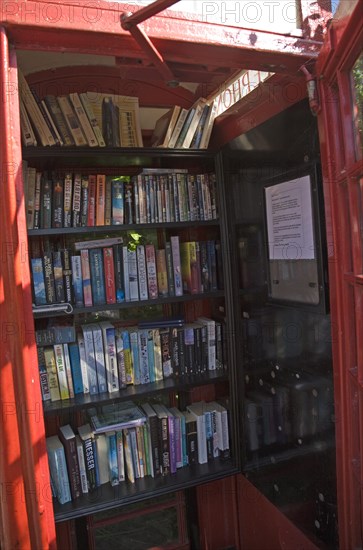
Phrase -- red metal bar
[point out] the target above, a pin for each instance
(146, 12)
(155, 57)
(27, 515)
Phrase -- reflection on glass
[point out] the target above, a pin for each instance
(357, 93)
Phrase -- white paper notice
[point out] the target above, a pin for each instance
(290, 220)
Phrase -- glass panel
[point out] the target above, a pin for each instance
(357, 93)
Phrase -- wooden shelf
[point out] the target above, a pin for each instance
(135, 392)
(106, 496)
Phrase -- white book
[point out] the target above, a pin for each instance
(58, 139)
(143, 356)
(100, 354)
(81, 464)
(90, 358)
(222, 424)
(211, 336)
(109, 345)
(83, 363)
(83, 119)
(208, 127)
(27, 132)
(133, 278)
(61, 371)
(58, 469)
(197, 410)
(194, 123)
(102, 458)
(93, 121)
(142, 274)
(178, 127)
(67, 362)
(158, 364)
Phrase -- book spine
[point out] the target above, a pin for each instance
(67, 200)
(108, 262)
(43, 376)
(133, 275)
(112, 459)
(99, 359)
(175, 247)
(142, 274)
(38, 281)
(97, 276)
(59, 475)
(86, 278)
(87, 105)
(128, 456)
(158, 364)
(84, 201)
(108, 201)
(91, 214)
(70, 450)
(150, 355)
(81, 465)
(120, 456)
(127, 357)
(83, 363)
(135, 356)
(75, 368)
(125, 262)
(67, 363)
(71, 120)
(90, 463)
(169, 268)
(117, 193)
(140, 449)
(143, 356)
(77, 280)
(111, 360)
(61, 371)
(46, 204)
(76, 201)
(57, 202)
(37, 199)
(119, 273)
(134, 452)
(165, 353)
(100, 199)
(51, 368)
(59, 119)
(67, 275)
(120, 352)
(49, 277)
(90, 359)
(164, 441)
(152, 283)
(162, 276)
(83, 120)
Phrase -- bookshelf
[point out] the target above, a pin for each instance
(213, 303)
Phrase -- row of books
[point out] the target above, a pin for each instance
(186, 128)
(150, 440)
(85, 119)
(56, 200)
(105, 271)
(103, 357)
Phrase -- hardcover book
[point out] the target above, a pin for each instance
(58, 469)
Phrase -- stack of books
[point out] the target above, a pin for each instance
(186, 128)
(78, 119)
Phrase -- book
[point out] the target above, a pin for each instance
(163, 439)
(43, 376)
(38, 281)
(37, 200)
(191, 437)
(185, 127)
(90, 359)
(117, 193)
(51, 369)
(132, 275)
(195, 144)
(143, 356)
(119, 273)
(75, 362)
(61, 371)
(50, 122)
(152, 282)
(121, 360)
(198, 111)
(86, 278)
(164, 127)
(91, 213)
(135, 352)
(87, 105)
(97, 276)
(58, 469)
(83, 363)
(81, 465)
(77, 282)
(97, 243)
(175, 248)
(153, 423)
(46, 193)
(58, 117)
(162, 276)
(110, 355)
(109, 270)
(83, 119)
(86, 435)
(112, 458)
(27, 132)
(141, 272)
(177, 128)
(120, 455)
(100, 199)
(117, 417)
(208, 125)
(197, 410)
(77, 198)
(71, 120)
(84, 202)
(67, 362)
(129, 467)
(68, 439)
(57, 201)
(211, 340)
(100, 357)
(165, 342)
(101, 458)
(37, 119)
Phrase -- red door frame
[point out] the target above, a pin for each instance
(343, 203)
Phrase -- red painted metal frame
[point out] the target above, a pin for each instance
(27, 512)
(342, 175)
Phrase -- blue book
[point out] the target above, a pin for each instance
(209, 433)
(38, 281)
(58, 469)
(112, 458)
(58, 276)
(90, 359)
(150, 354)
(119, 273)
(97, 276)
(77, 280)
(117, 193)
(212, 264)
(75, 367)
(134, 345)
